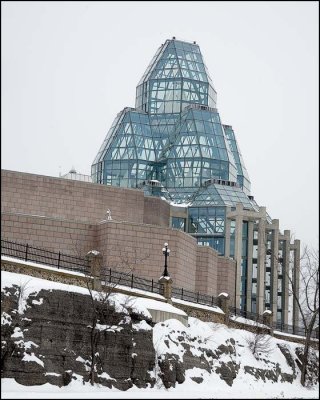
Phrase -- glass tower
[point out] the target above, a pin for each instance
(174, 134)
(174, 145)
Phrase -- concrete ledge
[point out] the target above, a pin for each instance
(50, 275)
(161, 316)
(295, 338)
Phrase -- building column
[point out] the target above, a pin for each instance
(227, 234)
(261, 261)
(274, 267)
(249, 265)
(296, 281)
(285, 276)
(238, 250)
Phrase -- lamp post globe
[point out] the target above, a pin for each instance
(165, 252)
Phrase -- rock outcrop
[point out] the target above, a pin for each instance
(52, 337)
(51, 341)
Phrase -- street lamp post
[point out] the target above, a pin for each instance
(166, 252)
(165, 280)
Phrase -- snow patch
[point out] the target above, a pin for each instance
(142, 326)
(29, 344)
(17, 333)
(37, 302)
(247, 321)
(94, 252)
(52, 374)
(32, 358)
(105, 375)
(6, 319)
(198, 305)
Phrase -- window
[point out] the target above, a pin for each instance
(178, 223)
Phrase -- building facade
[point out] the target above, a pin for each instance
(168, 171)
(173, 145)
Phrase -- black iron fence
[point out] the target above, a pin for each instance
(294, 330)
(290, 329)
(25, 252)
(194, 297)
(237, 312)
(114, 277)
(59, 260)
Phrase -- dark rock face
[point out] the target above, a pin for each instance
(172, 370)
(264, 374)
(194, 353)
(274, 373)
(197, 379)
(51, 342)
(312, 367)
(286, 352)
(228, 372)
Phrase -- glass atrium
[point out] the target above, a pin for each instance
(174, 136)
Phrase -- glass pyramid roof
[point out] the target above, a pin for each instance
(174, 135)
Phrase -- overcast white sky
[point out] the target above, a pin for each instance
(68, 68)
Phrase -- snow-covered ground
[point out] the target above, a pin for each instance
(211, 388)
(211, 335)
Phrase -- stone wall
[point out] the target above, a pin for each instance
(296, 339)
(135, 248)
(227, 277)
(68, 199)
(70, 216)
(138, 248)
(68, 237)
(38, 272)
(201, 313)
(156, 211)
(207, 270)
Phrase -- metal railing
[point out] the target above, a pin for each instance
(237, 312)
(290, 329)
(195, 297)
(294, 330)
(24, 251)
(112, 276)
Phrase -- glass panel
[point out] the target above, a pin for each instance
(178, 223)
